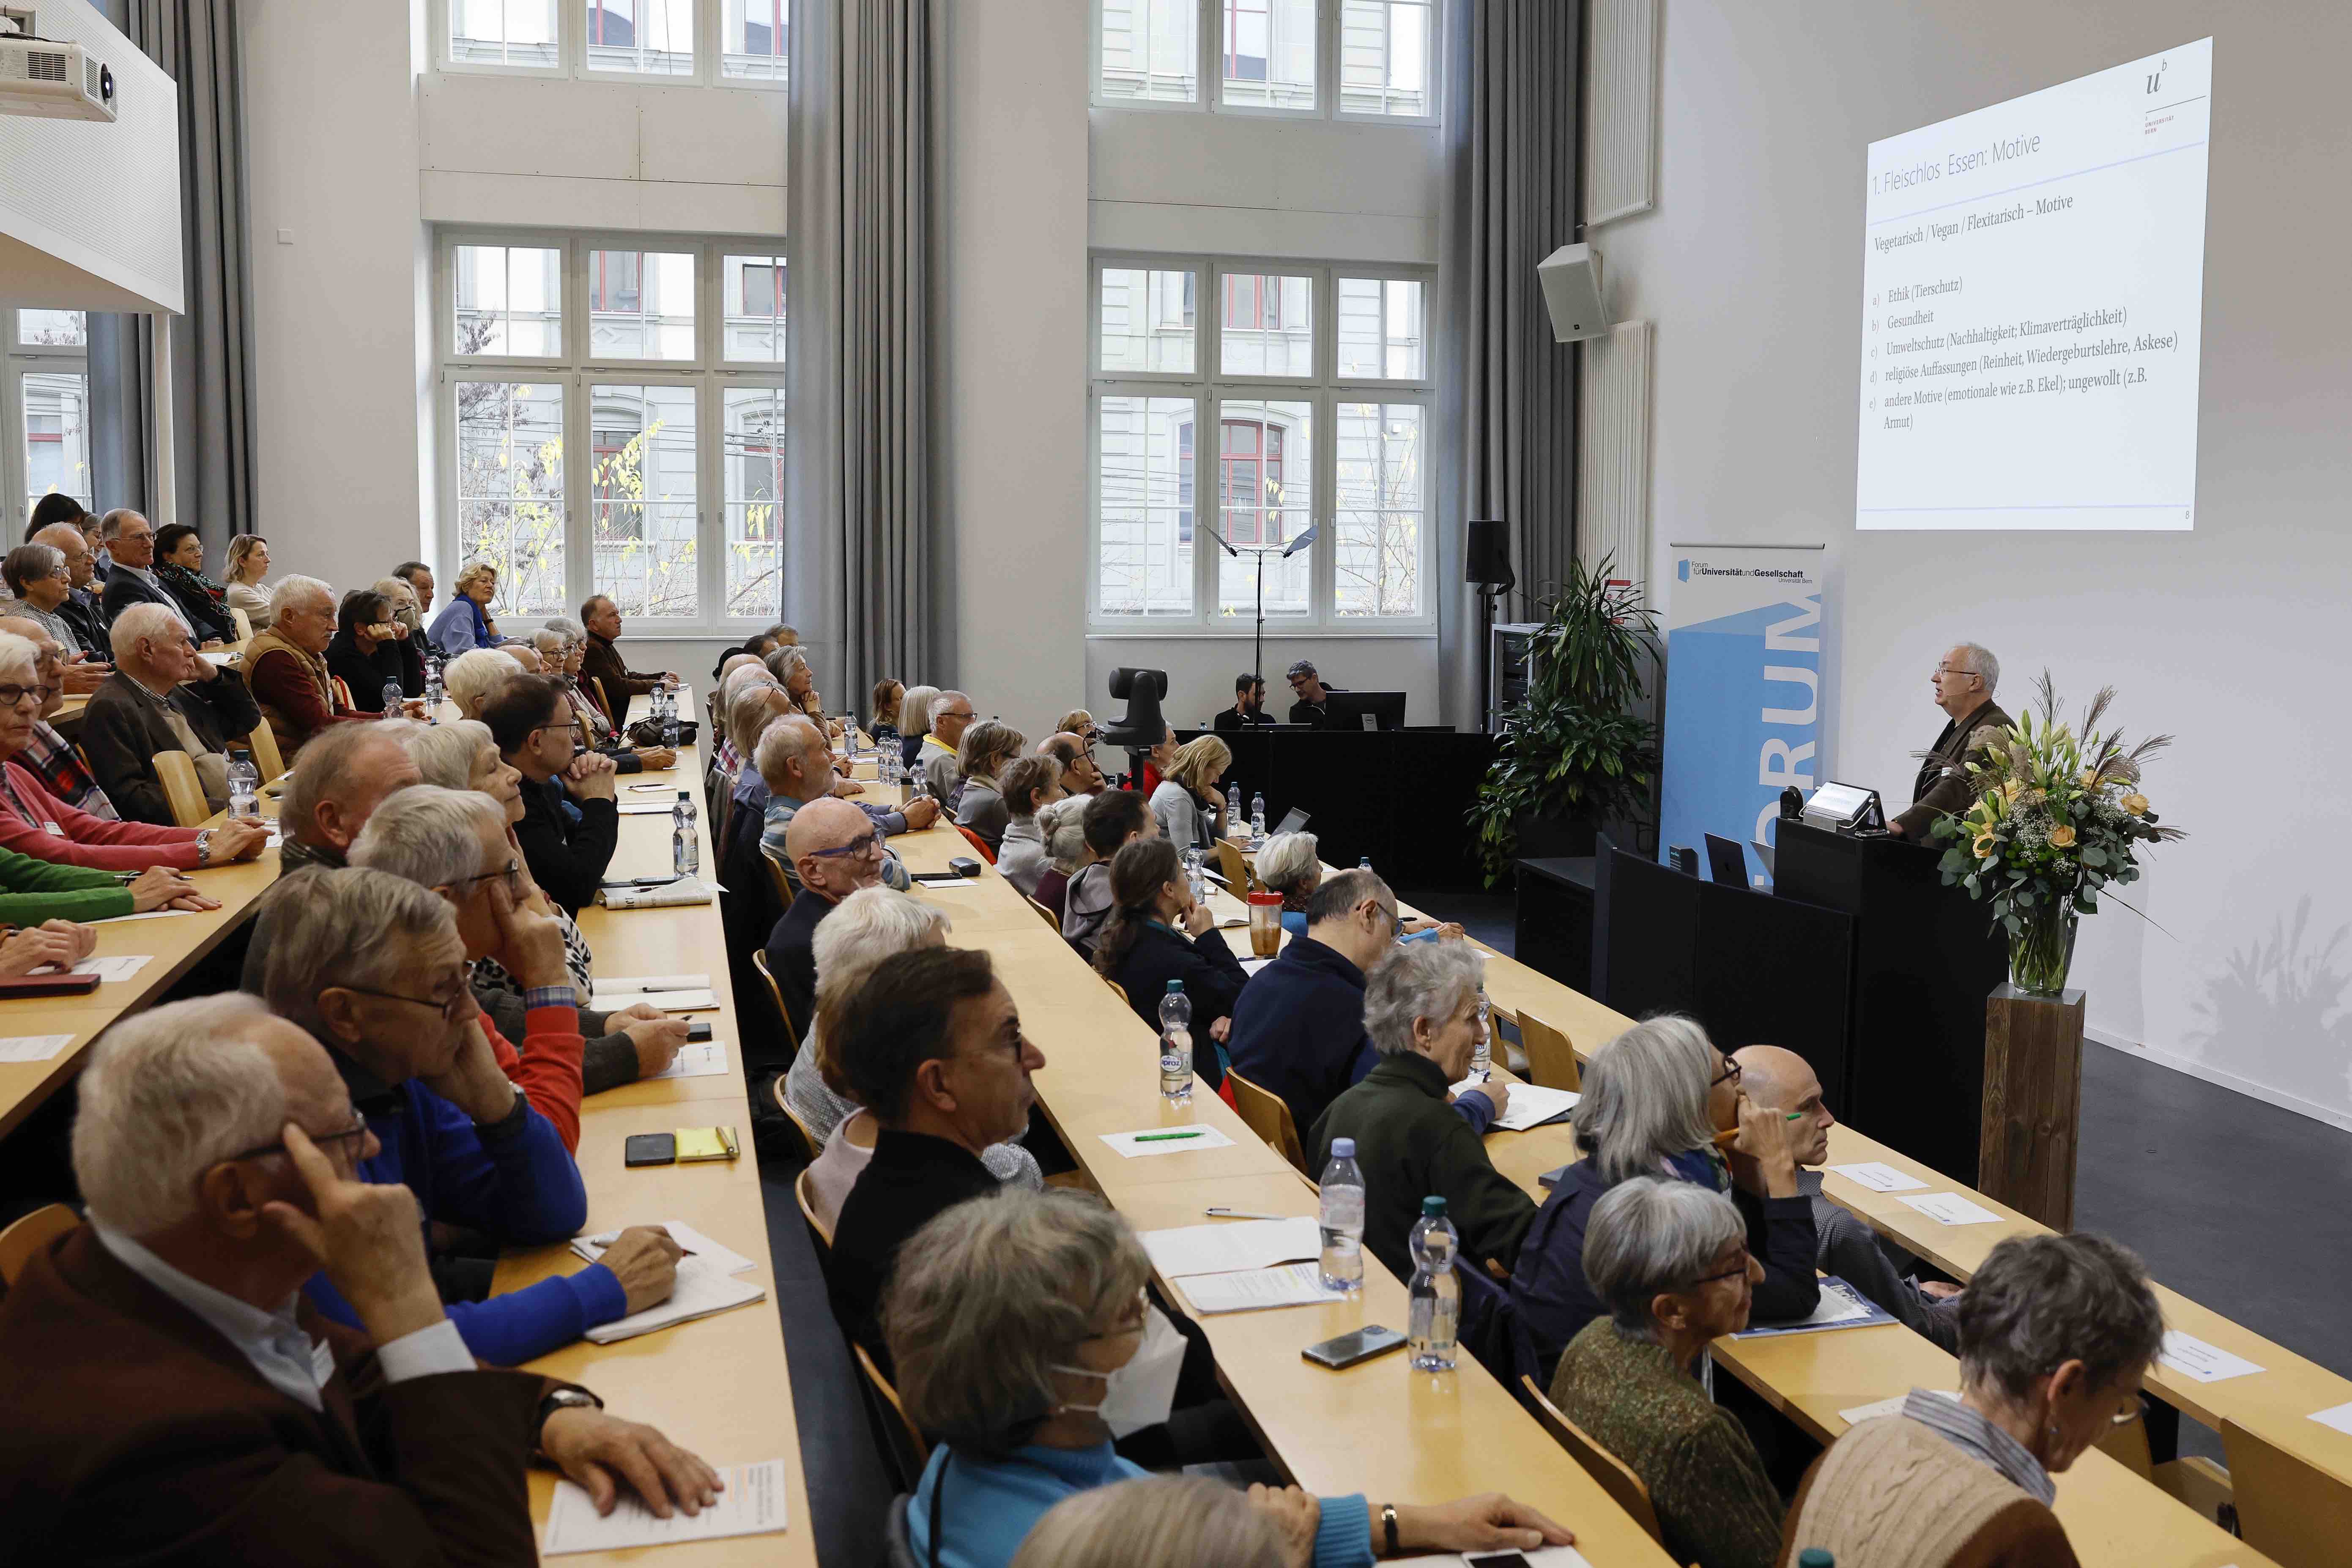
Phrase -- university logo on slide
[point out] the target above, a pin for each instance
(1681, 569)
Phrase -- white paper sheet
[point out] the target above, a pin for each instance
(703, 1287)
(1543, 1557)
(1531, 1104)
(2338, 1417)
(647, 807)
(1252, 965)
(2192, 1357)
(666, 896)
(1292, 1285)
(33, 1047)
(1879, 1178)
(635, 983)
(1952, 1209)
(696, 1059)
(1230, 1246)
(1894, 1407)
(663, 1001)
(752, 1504)
(154, 915)
(727, 1258)
(117, 966)
(1153, 1141)
(1838, 1304)
(962, 887)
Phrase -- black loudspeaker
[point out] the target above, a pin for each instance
(1487, 559)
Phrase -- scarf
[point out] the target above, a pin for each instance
(187, 582)
(1701, 1167)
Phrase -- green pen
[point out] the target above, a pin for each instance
(1162, 1137)
(1794, 1115)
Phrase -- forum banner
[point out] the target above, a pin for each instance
(1744, 628)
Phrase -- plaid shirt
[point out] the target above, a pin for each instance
(63, 773)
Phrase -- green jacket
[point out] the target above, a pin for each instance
(37, 891)
(1716, 1506)
(1411, 1145)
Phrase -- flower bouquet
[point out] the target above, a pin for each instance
(2057, 818)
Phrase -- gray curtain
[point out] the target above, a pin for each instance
(198, 43)
(1508, 398)
(860, 518)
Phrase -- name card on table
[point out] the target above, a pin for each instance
(2192, 1357)
(1166, 1141)
(33, 1047)
(1879, 1178)
(1953, 1209)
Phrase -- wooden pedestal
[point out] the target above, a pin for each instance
(2032, 1115)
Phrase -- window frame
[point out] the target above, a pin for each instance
(16, 362)
(1212, 388)
(577, 372)
(1209, 71)
(571, 53)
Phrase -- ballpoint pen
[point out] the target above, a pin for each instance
(1240, 1214)
(1163, 1137)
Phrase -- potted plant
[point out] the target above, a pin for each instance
(2056, 819)
(1574, 753)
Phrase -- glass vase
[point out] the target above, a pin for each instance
(2042, 950)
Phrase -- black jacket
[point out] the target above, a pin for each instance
(791, 958)
(365, 673)
(565, 859)
(125, 588)
(1212, 978)
(90, 623)
(121, 731)
(910, 1179)
(1311, 713)
(1299, 1029)
(1234, 719)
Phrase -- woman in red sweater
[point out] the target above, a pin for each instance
(35, 822)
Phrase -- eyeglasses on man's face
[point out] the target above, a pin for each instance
(871, 845)
(1738, 1273)
(355, 1134)
(451, 1008)
(512, 873)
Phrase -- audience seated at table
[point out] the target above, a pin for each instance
(1156, 934)
(337, 785)
(1190, 809)
(1298, 1027)
(1844, 1245)
(1291, 864)
(561, 649)
(419, 578)
(47, 754)
(371, 650)
(401, 596)
(472, 677)
(33, 892)
(174, 1399)
(1424, 1009)
(602, 663)
(1668, 1261)
(888, 696)
(373, 967)
(790, 668)
(2056, 1332)
(81, 609)
(131, 578)
(1115, 818)
(539, 738)
(1077, 759)
(751, 903)
(1011, 1321)
(40, 583)
(914, 722)
(179, 568)
(734, 679)
(287, 667)
(464, 623)
(988, 748)
(869, 926)
(1063, 826)
(162, 697)
(1654, 1101)
(796, 762)
(833, 849)
(456, 842)
(35, 823)
(1027, 786)
(943, 778)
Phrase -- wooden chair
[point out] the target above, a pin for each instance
(783, 1019)
(1235, 868)
(2287, 1508)
(1053, 920)
(980, 844)
(811, 1145)
(244, 623)
(182, 788)
(29, 1235)
(1623, 1486)
(263, 743)
(1268, 1117)
(1551, 1060)
(717, 729)
(780, 881)
(1120, 992)
(908, 1449)
(819, 1232)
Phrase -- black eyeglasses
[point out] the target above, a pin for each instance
(357, 1130)
(1730, 1074)
(450, 1010)
(513, 874)
(870, 844)
(12, 695)
(1738, 1273)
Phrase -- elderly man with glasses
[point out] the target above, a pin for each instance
(373, 966)
(163, 696)
(835, 850)
(951, 715)
(1963, 682)
(540, 737)
(796, 764)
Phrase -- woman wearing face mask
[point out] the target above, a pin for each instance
(1023, 1337)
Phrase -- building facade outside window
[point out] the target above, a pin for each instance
(44, 411)
(1271, 57)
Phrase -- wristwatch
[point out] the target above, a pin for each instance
(1389, 1526)
(564, 1399)
(205, 847)
(512, 1119)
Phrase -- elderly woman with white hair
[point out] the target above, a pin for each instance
(987, 749)
(1669, 1261)
(1661, 1101)
(464, 621)
(1425, 1010)
(869, 926)
(1063, 826)
(1021, 1335)
(473, 677)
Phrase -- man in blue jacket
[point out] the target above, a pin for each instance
(373, 966)
(1298, 1029)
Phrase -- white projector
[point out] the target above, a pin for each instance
(56, 82)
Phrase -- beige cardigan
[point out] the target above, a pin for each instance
(1893, 1494)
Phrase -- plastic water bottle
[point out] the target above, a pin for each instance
(1482, 1054)
(1196, 875)
(1436, 1315)
(393, 698)
(685, 848)
(668, 717)
(1815, 1557)
(433, 695)
(244, 786)
(1257, 818)
(1176, 1045)
(1233, 806)
(1343, 1220)
(1363, 862)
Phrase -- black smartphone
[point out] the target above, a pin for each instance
(650, 1149)
(1348, 1350)
(698, 1030)
(1495, 1559)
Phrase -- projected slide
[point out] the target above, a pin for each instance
(2032, 276)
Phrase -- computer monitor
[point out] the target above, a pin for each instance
(1349, 709)
(1293, 821)
(1725, 861)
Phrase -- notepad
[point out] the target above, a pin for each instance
(751, 1504)
(696, 1059)
(669, 895)
(647, 807)
(1156, 1141)
(1252, 965)
(1952, 1209)
(1531, 1104)
(1233, 1245)
(1292, 1285)
(642, 982)
(1879, 1178)
(1841, 1307)
(2192, 1357)
(117, 966)
(726, 1259)
(1894, 1407)
(704, 1287)
(661, 1001)
(33, 1047)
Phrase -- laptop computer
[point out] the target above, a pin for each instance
(1293, 821)
(1724, 861)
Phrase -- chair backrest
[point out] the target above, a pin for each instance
(1489, 1324)
(1623, 1486)
(779, 880)
(819, 1232)
(28, 1235)
(244, 623)
(263, 742)
(783, 1019)
(182, 788)
(2287, 1508)
(1053, 920)
(811, 1145)
(1551, 1060)
(907, 1447)
(616, 702)
(1269, 1117)
(721, 802)
(1234, 868)
(1120, 992)
(710, 710)
(977, 842)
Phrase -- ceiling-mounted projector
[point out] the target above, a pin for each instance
(54, 81)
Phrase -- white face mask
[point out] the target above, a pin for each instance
(1143, 1392)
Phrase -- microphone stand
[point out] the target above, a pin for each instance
(1258, 553)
